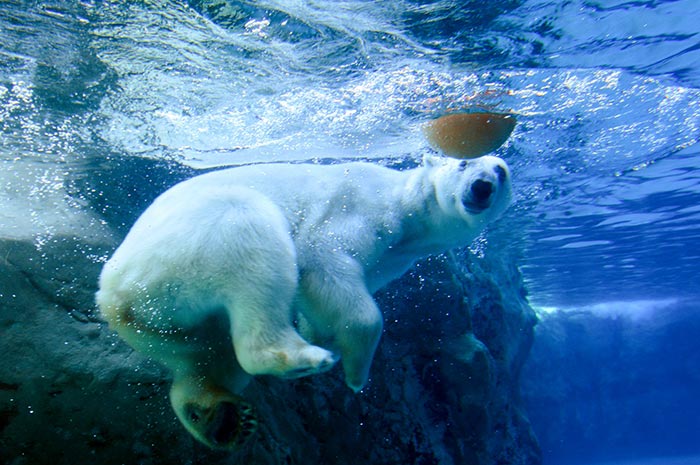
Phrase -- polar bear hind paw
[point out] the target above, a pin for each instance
(225, 425)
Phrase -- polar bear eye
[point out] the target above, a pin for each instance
(501, 173)
(463, 165)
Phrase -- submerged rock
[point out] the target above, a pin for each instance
(443, 388)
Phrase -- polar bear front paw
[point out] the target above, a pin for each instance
(287, 355)
(309, 360)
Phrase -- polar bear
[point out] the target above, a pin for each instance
(270, 269)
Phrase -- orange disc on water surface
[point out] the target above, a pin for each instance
(469, 135)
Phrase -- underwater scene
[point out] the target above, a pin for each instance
(299, 232)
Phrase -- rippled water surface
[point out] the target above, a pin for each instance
(605, 156)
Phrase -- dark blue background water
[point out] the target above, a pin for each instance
(605, 157)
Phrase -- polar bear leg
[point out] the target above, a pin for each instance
(204, 394)
(265, 346)
(206, 376)
(337, 298)
(357, 340)
(263, 279)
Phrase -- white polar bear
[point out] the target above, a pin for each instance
(213, 275)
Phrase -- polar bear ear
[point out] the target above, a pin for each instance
(430, 160)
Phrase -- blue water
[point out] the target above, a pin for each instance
(605, 159)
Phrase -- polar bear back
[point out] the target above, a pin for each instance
(344, 206)
(313, 194)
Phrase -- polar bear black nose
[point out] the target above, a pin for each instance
(481, 190)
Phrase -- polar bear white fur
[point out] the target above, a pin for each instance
(212, 277)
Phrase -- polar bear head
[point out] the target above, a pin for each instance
(474, 192)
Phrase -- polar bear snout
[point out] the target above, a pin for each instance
(478, 197)
(480, 194)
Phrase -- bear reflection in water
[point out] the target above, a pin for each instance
(212, 276)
